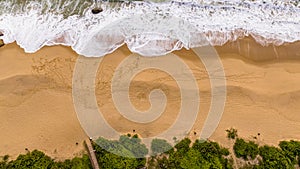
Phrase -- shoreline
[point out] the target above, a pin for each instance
(35, 88)
(268, 22)
(247, 47)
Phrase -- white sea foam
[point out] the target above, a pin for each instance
(147, 28)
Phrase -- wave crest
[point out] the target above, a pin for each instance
(147, 28)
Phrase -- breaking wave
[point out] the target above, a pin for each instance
(148, 28)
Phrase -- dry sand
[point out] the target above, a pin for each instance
(37, 112)
(36, 106)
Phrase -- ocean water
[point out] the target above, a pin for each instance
(149, 28)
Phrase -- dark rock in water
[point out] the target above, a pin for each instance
(97, 10)
(1, 43)
(1, 34)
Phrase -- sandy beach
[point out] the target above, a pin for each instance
(37, 111)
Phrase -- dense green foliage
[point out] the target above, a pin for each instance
(286, 156)
(125, 146)
(246, 150)
(131, 153)
(291, 150)
(198, 155)
(185, 154)
(274, 158)
(38, 160)
(159, 146)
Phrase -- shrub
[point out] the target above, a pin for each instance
(245, 150)
(291, 149)
(231, 133)
(160, 146)
(274, 158)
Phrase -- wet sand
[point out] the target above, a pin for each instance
(37, 111)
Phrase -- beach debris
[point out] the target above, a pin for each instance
(97, 10)
(1, 40)
(1, 43)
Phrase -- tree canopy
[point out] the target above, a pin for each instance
(200, 154)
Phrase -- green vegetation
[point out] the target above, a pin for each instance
(231, 133)
(38, 160)
(246, 150)
(285, 156)
(159, 146)
(291, 150)
(197, 155)
(185, 154)
(274, 158)
(131, 153)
